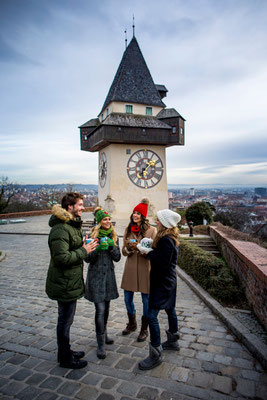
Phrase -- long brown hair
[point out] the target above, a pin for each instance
(173, 233)
(143, 226)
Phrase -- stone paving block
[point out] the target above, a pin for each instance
(76, 374)
(219, 358)
(69, 388)
(29, 392)
(105, 396)
(17, 359)
(242, 363)
(200, 379)
(3, 381)
(31, 362)
(261, 392)
(87, 393)
(47, 396)
(126, 363)
(180, 374)
(163, 371)
(251, 375)
(12, 388)
(187, 352)
(5, 355)
(91, 379)
(36, 378)
(222, 384)
(51, 383)
(125, 350)
(108, 383)
(229, 370)
(174, 396)
(211, 367)
(245, 387)
(21, 374)
(8, 370)
(44, 366)
(128, 388)
(192, 363)
(215, 349)
(148, 393)
(204, 356)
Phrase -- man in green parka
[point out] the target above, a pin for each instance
(64, 281)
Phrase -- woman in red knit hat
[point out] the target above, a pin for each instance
(137, 267)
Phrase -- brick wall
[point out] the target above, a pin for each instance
(250, 263)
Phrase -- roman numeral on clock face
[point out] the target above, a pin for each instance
(145, 168)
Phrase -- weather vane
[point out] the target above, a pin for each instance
(125, 38)
(133, 25)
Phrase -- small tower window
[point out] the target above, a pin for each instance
(148, 110)
(128, 151)
(107, 112)
(181, 131)
(129, 109)
(102, 117)
(174, 129)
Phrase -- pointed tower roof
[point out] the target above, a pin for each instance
(133, 82)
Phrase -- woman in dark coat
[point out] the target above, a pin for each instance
(100, 286)
(163, 283)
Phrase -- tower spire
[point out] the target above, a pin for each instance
(133, 27)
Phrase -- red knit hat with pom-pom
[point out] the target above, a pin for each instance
(142, 207)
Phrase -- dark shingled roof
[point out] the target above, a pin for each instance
(133, 82)
(169, 113)
(91, 123)
(132, 120)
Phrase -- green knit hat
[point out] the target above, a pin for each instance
(100, 214)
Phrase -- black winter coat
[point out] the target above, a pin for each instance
(163, 280)
(101, 283)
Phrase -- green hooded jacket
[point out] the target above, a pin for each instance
(64, 280)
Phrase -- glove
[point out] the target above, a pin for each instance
(143, 250)
(102, 246)
(111, 242)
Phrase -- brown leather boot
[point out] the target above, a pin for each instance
(143, 332)
(131, 326)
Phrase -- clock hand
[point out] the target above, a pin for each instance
(150, 163)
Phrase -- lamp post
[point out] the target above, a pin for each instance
(191, 228)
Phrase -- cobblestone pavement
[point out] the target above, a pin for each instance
(210, 365)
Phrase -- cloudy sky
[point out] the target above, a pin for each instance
(58, 59)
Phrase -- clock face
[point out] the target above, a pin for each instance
(102, 169)
(145, 168)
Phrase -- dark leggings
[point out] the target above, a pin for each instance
(101, 316)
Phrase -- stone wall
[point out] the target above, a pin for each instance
(34, 213)
(249, 261)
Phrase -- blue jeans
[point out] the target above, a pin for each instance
(66, 312)
(128, 299)
(154, 324)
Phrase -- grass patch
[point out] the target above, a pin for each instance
(212, 274)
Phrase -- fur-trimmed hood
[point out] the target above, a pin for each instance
(61, 214)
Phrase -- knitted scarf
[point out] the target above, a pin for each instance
(135, 228)
(104, 233)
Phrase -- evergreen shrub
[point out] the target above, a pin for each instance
(210, 272)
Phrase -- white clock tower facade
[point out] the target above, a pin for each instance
(131, 134)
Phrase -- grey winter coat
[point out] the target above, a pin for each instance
(101, 281)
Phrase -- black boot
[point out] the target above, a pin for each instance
(153, 360)
(100, 346)
(108, 339)
(76, 354)
(172, 341)
(72, 362)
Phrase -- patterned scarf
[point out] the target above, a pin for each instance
(104, 233)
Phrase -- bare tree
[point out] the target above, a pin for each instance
(7, 191)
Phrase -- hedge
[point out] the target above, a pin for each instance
(210, 272)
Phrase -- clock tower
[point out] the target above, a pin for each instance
(131, 134)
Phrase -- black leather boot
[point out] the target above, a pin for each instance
(171, 342)
(72, 362)
(153, 360)
(100, 346)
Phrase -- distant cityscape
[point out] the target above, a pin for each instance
(249, 200)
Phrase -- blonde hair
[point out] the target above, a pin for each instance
(173, 233)
(95, 232)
